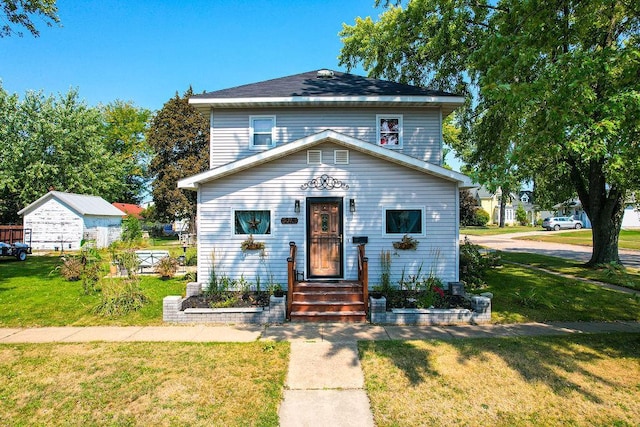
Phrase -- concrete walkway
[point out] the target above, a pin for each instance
(325, 383)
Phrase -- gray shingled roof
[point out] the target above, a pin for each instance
(81, 203)
(310, 85)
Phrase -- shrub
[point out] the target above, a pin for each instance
(121, 296)
(131, 229)
(71, 268)
(167, 267)
(474, 265)
(481, 217)
(521, 215)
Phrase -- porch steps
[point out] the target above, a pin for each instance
(327, 302)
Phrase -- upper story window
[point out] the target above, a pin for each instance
(389, 130)
(262, 132)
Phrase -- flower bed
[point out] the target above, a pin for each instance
(173, 310)
(480, 312)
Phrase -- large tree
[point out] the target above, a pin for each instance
(52, 143)
(179, 135)
(125, 128)
(554, 89)
(19, 13)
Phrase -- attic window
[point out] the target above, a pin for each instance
(314, 157)
(341, 157)
(389, 130)
(262, 131)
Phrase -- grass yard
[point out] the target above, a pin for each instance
(628, 239)
(33, 294)
(580, 380)
(628, 277)
(195, 384)
(489, 230)
(521, 294)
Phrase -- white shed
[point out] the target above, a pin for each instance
(66, 220)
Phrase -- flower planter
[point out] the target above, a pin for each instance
(173, 312)
(480, 313)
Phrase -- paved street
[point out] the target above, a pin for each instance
(510, 243)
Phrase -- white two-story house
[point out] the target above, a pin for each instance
(327, 160)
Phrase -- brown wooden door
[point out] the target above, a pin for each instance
(325, 237)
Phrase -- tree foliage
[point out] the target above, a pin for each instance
(553, 88)
(21, 12)
(52, 143)
(468, 208)
(179, 135)
(125, 127)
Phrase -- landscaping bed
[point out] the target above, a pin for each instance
(223, 307)
(475, 310)
(227, 299)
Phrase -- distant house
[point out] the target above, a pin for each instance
(64, 220)
(129, 209)
(490, 202)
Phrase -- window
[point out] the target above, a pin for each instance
(252, 222)
(262, 131)
(403, 221)
(389, 130)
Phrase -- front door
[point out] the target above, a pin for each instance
(324, 237)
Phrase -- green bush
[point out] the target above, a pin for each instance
(521, 215)
(131, 229)
(121, 296)
(481, 217)
(474, 265)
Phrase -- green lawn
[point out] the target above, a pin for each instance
(521, 294)
(494, 229)
(503, 382)
(578, 380)
(628, 277)
(32, 293)
(150, 384)
(628, 239)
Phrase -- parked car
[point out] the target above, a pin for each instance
(558, 222)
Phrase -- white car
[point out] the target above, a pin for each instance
(558, 222)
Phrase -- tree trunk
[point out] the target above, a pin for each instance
(503, 205)
(606, 224)
(604, 205)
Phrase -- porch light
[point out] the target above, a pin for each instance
(296, 206)
(352, 205)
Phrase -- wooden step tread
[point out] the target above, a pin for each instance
(327, 313)
(294, 303)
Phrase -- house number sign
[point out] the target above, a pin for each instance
(288, 220)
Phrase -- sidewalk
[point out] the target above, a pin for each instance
(325, 382)
(300, 332)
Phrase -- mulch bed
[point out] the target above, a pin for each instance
(228, 299)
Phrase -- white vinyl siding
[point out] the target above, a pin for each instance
(230, 132)
(373, 183)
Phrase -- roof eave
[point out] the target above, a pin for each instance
(447, 103)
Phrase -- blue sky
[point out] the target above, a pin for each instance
(144, 51)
